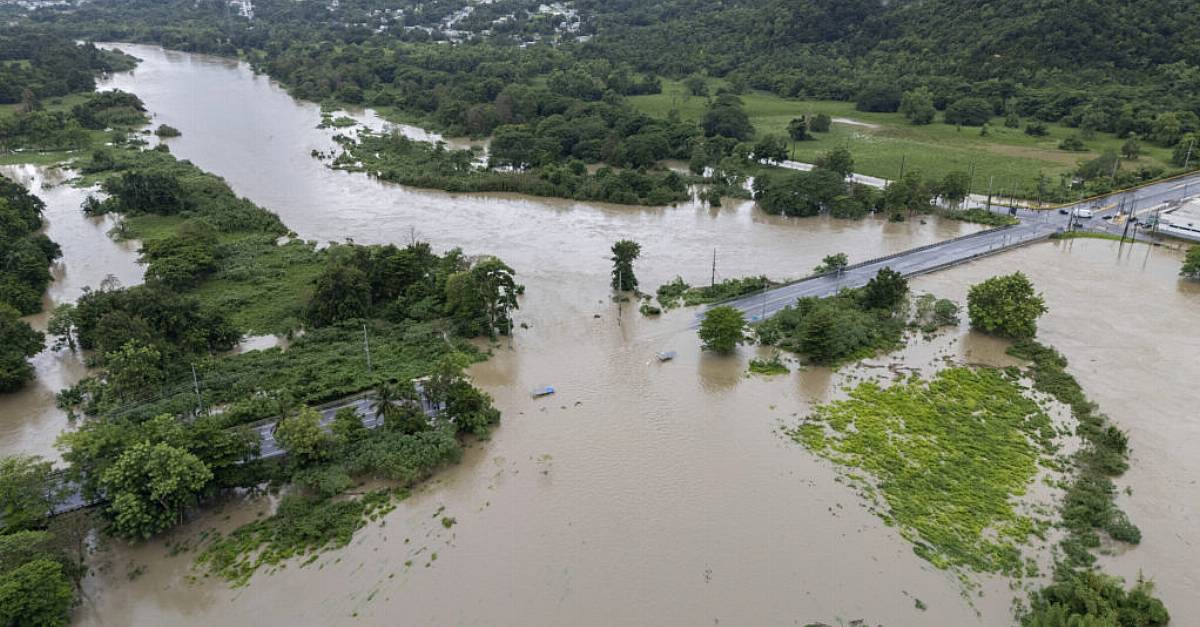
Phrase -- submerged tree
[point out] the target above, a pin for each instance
(722, 329)
(624, 253)
(1191, 264)
(1005, 305)
(832, 263)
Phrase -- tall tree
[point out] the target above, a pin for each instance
(624, 253)
(722, 329)
(149, 487)
(1005, 305)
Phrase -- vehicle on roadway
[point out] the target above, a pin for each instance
(1083, 213)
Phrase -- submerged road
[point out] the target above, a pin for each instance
(1034, 226)
(269, 447)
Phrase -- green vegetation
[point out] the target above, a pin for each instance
(1093, 598)
(25, 257)
(832, 263)
(1006, 306)
(947, 459)
(722, 329)
(166, 130)
(1088, 508)
(849, 325)
(769, 367)
(624, 253)
(39, 573)
(677, 292)
(393, 157)
(979, 216)
(1191, 264)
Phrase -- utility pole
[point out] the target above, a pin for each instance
(367, 348)
(989, 200)
(713, 283)
(196, 386)
(971, 181)
(1188, 159)
(903, 158)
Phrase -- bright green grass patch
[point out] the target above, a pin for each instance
(1004, 157)
(948, 458)
(262, 286)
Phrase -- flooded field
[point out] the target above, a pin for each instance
(646, 492)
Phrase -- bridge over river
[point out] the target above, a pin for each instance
(1034, 226)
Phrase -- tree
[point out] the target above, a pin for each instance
(1191, 264)
(20, 343)
(726, 118)
(36, 593)
(1132, 148)
(770, 148)
(885, 291)
(480, 300)
(302, 436)
(28, 493)
(917, 106)
(910, 192)
(798, 129)
(347, 426)
(819, 123)
(149, 487)
(1167, 129)
(133, 370)
(722, 329)
(1187, 151)
(955, 186)
(343, 292)
(878, 98)
(696, 85)
(969, 111)
(832, 263)
(624, 253)
(1005, 305)
(838, 160)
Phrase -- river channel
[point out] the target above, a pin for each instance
(641, 493)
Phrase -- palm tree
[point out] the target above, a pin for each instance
(386, 399)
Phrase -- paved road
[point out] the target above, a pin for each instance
(1034, 226)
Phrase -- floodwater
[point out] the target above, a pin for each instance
(29, 421)
(1127, 324)
(643, 492)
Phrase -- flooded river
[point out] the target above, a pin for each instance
(29, 421)
(643, 493)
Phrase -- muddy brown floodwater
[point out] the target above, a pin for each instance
(642, 492)
(29, 421)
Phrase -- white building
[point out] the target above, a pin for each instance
(1182, 222)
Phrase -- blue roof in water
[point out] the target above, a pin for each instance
(543, 391)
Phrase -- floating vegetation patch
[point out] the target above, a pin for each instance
(772, 366)
(946, 461)
(300, 526)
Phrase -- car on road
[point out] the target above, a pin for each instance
(1083, 213)
(1064, 210)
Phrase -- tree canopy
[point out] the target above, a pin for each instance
(1005, 305)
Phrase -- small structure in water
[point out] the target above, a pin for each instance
(545, 390)
(665, 355)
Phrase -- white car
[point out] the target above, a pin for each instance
(1083, 213)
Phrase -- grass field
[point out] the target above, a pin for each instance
(881, 142)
